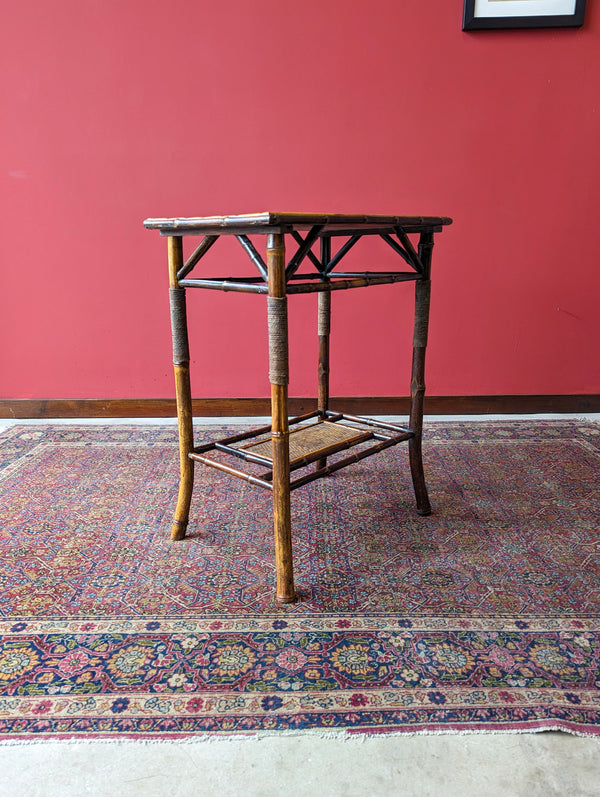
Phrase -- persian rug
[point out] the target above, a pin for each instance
(482, 617)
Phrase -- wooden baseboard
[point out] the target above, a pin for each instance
(367, 405)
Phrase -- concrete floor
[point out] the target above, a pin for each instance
(493, 765)
(503, 765)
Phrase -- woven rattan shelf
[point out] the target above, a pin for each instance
(323, 439)
(308, 443)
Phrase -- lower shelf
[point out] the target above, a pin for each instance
(313, 438)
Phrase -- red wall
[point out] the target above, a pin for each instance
(117, 110)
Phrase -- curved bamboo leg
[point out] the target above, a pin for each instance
(186, 444)
(278, 376)
(417, 394)
(417, 385)
(181, 363)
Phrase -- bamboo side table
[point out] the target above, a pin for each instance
(308, 443)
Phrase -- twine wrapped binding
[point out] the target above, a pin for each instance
(324, 317)
(181, 352)
(278, 340)
(423, 295)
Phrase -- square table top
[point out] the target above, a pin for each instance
(270, 221)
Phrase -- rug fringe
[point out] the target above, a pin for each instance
(357, 736)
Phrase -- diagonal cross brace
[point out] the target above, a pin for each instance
(340, 253)
(254, 256)
(304, 250)
(398, 249)
(310, 254)
(415, 261)
(198, 252)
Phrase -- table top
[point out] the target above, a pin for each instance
(269, 221)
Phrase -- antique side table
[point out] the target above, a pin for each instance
(307, 444)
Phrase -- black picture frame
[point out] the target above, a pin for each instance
(471, 21)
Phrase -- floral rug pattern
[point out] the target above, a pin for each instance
(483, 616)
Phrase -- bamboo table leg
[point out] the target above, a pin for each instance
(279, 377)
(181, 363)
(324, 328)
(417, 385)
